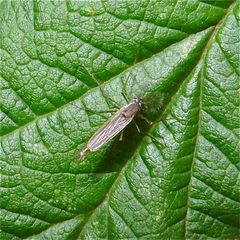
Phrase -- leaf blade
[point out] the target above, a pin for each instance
(47, 193)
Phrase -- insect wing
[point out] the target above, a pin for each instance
(109, 130)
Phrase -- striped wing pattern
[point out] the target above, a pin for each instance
(109, 130)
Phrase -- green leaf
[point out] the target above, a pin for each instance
(177, 179)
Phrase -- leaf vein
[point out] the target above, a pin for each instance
(221, 151)
(123, 221)
(22, 214)
(215, 190)
(215, 218)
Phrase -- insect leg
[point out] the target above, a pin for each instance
(83, 153)
(145, 119)
(154, 140)
(99, 85)
(95, 111)
(124, 91)
(106, 111)
(121, 136)
(137, 127)
(125, 97)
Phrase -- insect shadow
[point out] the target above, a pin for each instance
(121, 118)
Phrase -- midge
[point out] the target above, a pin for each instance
(112, 127)
(116, 123)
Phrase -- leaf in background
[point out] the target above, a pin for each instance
(178, 178)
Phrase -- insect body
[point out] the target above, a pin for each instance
(113, 126)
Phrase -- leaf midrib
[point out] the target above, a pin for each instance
(121, 172)
(35, 119)
(204, 56)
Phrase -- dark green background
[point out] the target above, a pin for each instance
(177, 179)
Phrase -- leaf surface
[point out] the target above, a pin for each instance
(178, 178)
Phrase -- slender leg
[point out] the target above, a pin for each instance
(93, 111)
(138, 129)
(107, 111)
(153, 138)
(121, 136)
(125, 97)
(145, 119)
(124, 91)
(99, 85)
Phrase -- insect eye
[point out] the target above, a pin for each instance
(136, 100)
(140, 101)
